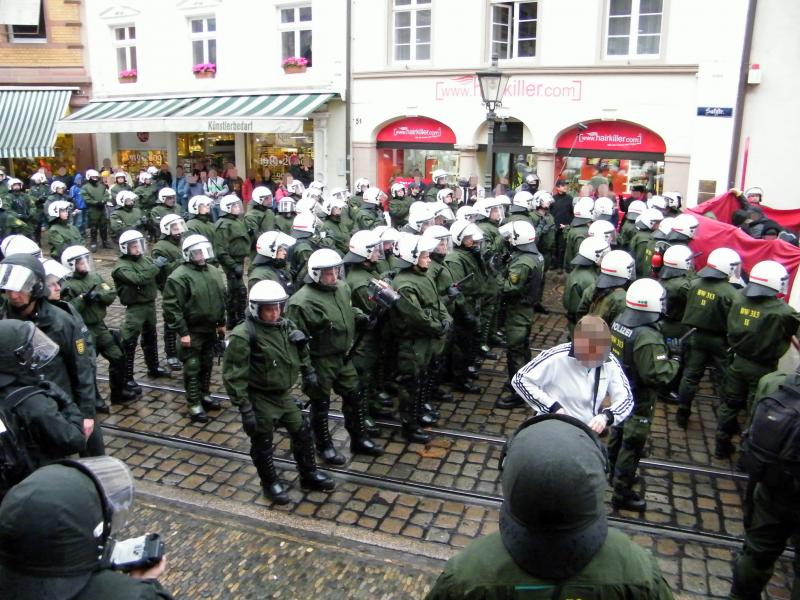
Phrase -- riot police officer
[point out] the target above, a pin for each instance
(10, 223)
(200, 222)
(491, 213)
(120, 184)
(167, 256)
(336, 232)
(231, 247)
(271, 262)
(127, 215)
(420, 216)
(286, 214)
(606, 298)
(304, 230)
(23, 205)
(583, 276)
(96, 195)
(166, 204)
(370, 213)
(147, 193)
(578, 229)
(646, 225)
(628, 228)
(60, 233)
(438, 182)
(399, 203)
(520, 208)
(259, 218)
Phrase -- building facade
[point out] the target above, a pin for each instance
(202, 83)
(640, 90)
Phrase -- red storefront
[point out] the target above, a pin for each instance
(623, 153)
(414, 145)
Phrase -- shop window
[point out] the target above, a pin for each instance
(31, 33)
(204, 40)
(706, 190)
(412, 30)
(125, 44)
(295, 27)
(205, 150)
(634, 28)
(513, 29)
(280, 153)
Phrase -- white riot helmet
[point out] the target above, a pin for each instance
(55, 208)
(754, 191)
(443, 238)
(677, 260)
(443, 194)
(128, 198)
(437, 175)
(58, 185)
(582, 211)
(54, 271)
(647, 296)
(364, 245)
(146, 177)
(603, 209)
(396, 189)
(649, 219)
(321, 260)
(265, 292)
(313, 193)
(269, 242)
(361, 184)
(591, 251)
(77, 258)
(410, 247)
(19, 244)
(296, 188)
(532, 179)
(152, 171)
(616, 269)
(635, 208)
(131, 239)
(287, 206)
(674, 200)
(460, 230)
(340, 193)
(164, 194)
(684, 225)
(373, 196)
(92, 173)
(330, 204)
(194, 203)
(467, 213)
(767, 278)
(604, 230)
(317, 185)
(230, 205)
(520, 235)
(542, 199)
(307, 205)
(304, 225)
(120, 175)
(197, 249)
(722, 263)
(420, 215)
(172, 225)
(262, 195)
(39, 178)
(523, 200)
(664, 228)
(442, 213)
(658, 202)
(14, 181)
(487, 207)
(503, 199)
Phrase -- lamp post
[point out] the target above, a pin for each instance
(493, 83)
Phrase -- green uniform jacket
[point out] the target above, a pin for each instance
(159, 211)
(398, 210)
(169, 248)
(95, 196)
(61, 236)
(677, 289)
(430, 193)
(575, 235)
(608, 308)
(443, 279)
(116, 189)
(135, 280)
(259, 219)
(147, 195)
(367, 218)
(419, 313)
(10, 223)
(520, 215)
(708, 303)
(578, 281)
(493, 243)
(337, 236)
(461, 262)
(303, 248)
(52, 198)
(358, 278)
(760, 329)
(267, 365)
(283, 224)
(201, 225)
(194, 299)
(93, 312)
(621, 570)
(231, 242)
(639, 245)
(40, 192)
(652, 366)
(267, 271)
(523, 284)
(545, 231)
(326, 315)
(626, 234)
(21, 203)
(124, 218)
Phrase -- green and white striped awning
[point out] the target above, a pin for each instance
(27, 121)
(267, 114)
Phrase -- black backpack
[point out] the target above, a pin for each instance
(16, 461)
(771, 444)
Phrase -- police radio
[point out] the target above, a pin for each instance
(137, 553)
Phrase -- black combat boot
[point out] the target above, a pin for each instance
(682, 415)
(355, 416)
(171, 349)
(409, 413)
(116, 380)
(130, 357)
(150, 351)
(261, 450)
(209, 402)
(429, 416)
(104, 236)
(100, 405)
(194, 398)
(303, 451)
(627, 499)
(93, 238)
(322, 434)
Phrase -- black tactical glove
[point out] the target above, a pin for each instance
(453, 291)
(160, 261)
(310, 378)
(298, 338)
(362, 321)
(90, 296)
(249, 422)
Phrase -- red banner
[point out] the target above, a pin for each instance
(614, 136)
(417, 130)
(724, 206)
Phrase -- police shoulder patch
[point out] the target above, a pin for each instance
(105, 286)
(513, 278)
(80, 346)
(661, 357)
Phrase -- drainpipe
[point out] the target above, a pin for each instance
(348, 101)
(740, 96)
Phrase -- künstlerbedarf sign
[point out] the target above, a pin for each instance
(232, 126)
(714, 111)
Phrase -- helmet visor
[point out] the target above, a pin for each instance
(115, 481)
(16, 278)
(177, 227)
(234, 208)
(43, 349)
(83, 264)
(375, 252)
(135, 247)
(329, 275)
(497, 213)
(200, 253)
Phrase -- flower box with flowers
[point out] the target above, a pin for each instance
(128, 76)
(205, 71)
(294, 64)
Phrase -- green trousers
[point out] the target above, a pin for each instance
(627, 443)
(737, 395)
(702, 349)
(140, 319)
(273, 410)
(198, 361)
(519, 321)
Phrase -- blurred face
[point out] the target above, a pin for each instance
(212, 173)
(63, 214)
(169, 201)
(202, 209)
(592, 342)
(82, 265)
(328, 276)
(468, 242)
(281, 253)
(442, 247)
(400, 192)
(18, 299)
(197, 257)
(53, 289)
(754, 198)
(236, 209)
(636, 195)
(175, 229)
(424, 260)
(562, 189)
(269, 313)
(134, 249)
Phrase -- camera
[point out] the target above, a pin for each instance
(137, 553)
(383, 295)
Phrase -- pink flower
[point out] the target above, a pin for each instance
(298, 61)
(204, 68)
(128, 74)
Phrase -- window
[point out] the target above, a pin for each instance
(634, 27)
(29, 33)
(204, 40)
(296, 32)
(514, 29)
(412, 30)
(125, 44)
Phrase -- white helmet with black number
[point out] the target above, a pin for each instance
(649, 219)
(131, 239)
(262, 195)
(674, 200)
(658, 202)
(230, 205)
(330, 205)
(460, 230)
(635, 208)
(677, 260)
(129, 198)
(38, 178)
(265, 292)
(604, 230)
(195, 202)
(19, 244)
(443, 194)
(520, 235)
(420, 215)
(722, 263)
(165, 194)
(55, 208)
(582, 211)
(77, 258)
(522, 200)
(767, 278)
(467, 213)
(664, 228)
(373, 196)
(603, 209)
(410, 247)
(591, 251)
(287, 206)
(386, 233)
(684, 227)
(269, 242)
(543, 199)
(645, 296)
(364, 245)
(322, 260)
(296, 188)
(443, 237)
(304, 225)
(616, 269)
(58, 185)
(437, 175)
(490, 208)
(197, 249)
(172, 225)
(361, 185)
(396, 188)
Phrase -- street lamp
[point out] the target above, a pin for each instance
(493, 83)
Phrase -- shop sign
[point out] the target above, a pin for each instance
(230, 126)
(467, 86)
(612, 135)
(714, 111)
(417, 130)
